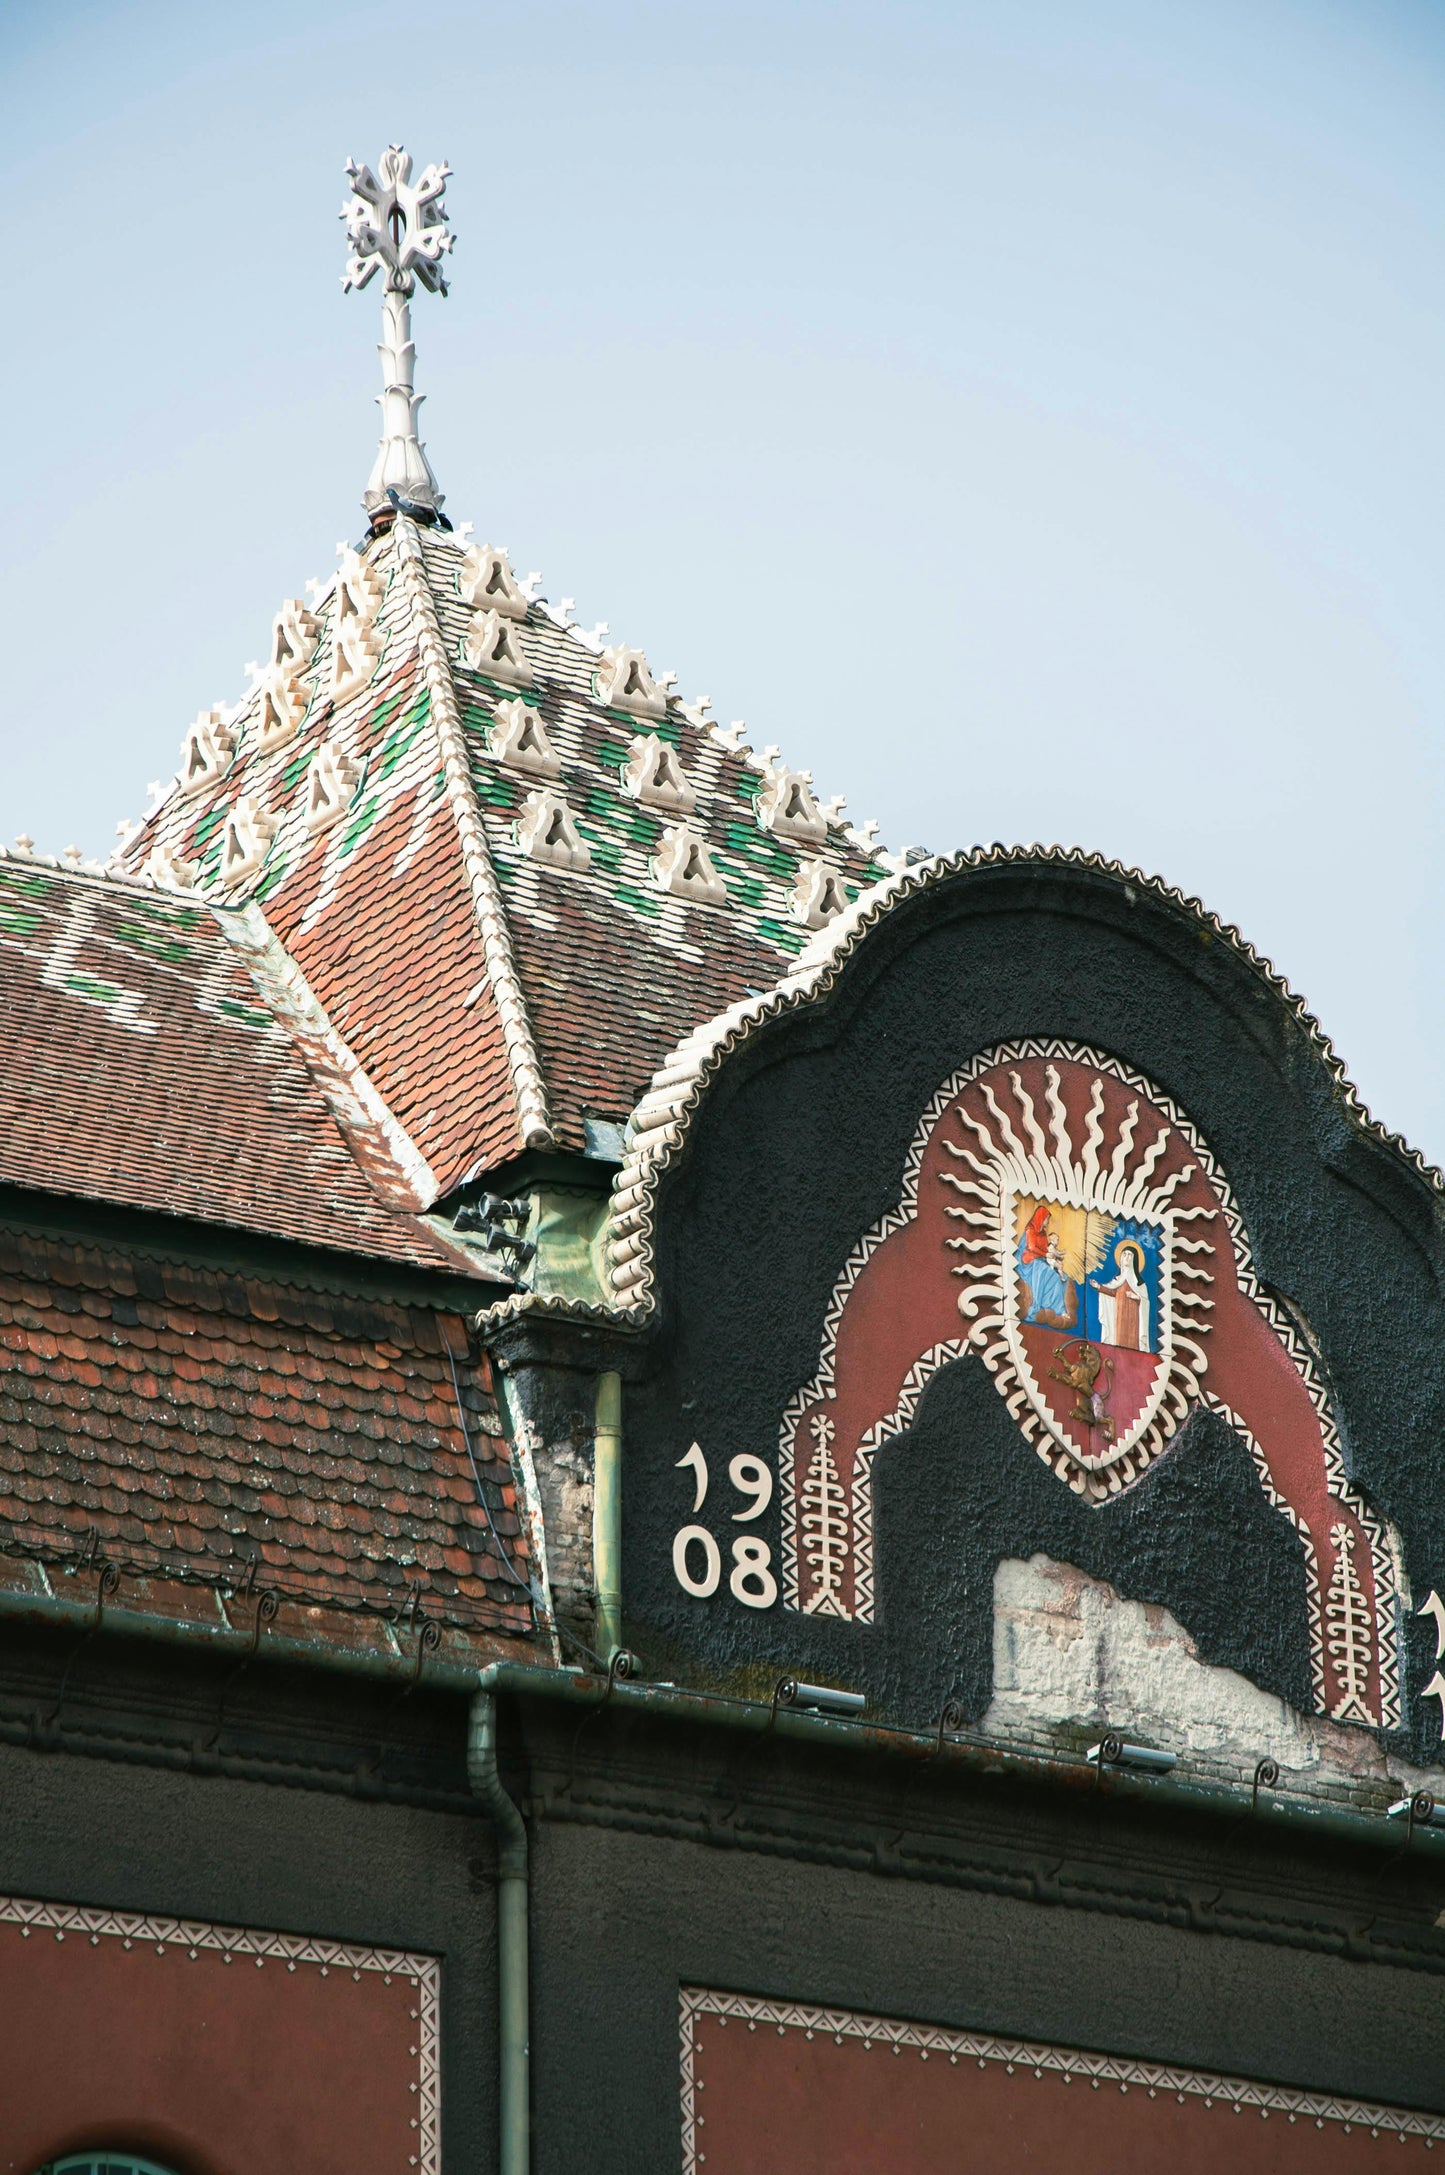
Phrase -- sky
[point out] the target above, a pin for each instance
(1026, 415)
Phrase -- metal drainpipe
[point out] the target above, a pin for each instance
(957, 1754)
(513, 1998)
(607, 1513)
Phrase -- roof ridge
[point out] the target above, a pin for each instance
(105, 874)
(766, 762)
(599, 641)
(660, 1120)
(534, 1123)
(388, 1157)
(382, 1149)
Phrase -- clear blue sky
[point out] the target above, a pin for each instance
(1026, 414)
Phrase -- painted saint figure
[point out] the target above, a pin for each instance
(1047, 1294)
(1124, 1304)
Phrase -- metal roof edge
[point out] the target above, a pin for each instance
(546, 1306)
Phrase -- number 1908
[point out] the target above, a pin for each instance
(696, 1557)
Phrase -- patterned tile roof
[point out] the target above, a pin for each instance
(194, 1427)
(144, 1066)
(496, 997)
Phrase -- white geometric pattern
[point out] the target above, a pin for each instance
(194, 1935)
(1237, 2093)
(1382, 1544)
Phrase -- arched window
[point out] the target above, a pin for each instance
(102, 2163)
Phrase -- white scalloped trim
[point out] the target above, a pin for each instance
(659, 1123)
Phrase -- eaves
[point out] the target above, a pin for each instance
(227, 1250)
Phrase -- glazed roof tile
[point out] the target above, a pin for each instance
(377, 910)
(496, 1001)
(194, 1427)
(144, 1066)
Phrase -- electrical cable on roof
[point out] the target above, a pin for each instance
(514, 1575)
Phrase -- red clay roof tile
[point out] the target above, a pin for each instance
(193, 1472)
(141, 1068)
(387, 912)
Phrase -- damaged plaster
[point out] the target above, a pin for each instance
(1073, 1658)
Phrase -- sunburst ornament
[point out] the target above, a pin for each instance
(1062, 1220)
(1074, 1255)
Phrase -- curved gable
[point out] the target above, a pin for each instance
(1033, 1216)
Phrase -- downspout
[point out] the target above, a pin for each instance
(607, 1514)
(513, 1962)
(512, 1956)
(953, 1752)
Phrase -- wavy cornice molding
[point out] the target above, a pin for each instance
(661, 1120)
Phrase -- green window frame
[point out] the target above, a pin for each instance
(103, 2162)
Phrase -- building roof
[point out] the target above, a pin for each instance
(154, 1062)
(197, 1428)
(501, 987)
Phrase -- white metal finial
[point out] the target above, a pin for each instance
(398, 226)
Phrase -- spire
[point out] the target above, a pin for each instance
(398, 226)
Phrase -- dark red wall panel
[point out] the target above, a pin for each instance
(770, 2085)
(218, 2051)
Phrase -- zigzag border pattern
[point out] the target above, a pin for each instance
(291, 1949)
(915, 1383)
(1384, 1555)
(660, 1122)
(983, 2048)
(1313, 1606)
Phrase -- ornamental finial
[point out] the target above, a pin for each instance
(398, 226)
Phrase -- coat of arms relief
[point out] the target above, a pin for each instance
(1062, 1219)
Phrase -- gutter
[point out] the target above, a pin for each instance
(979, 1756)
(573, 1687)
(257, 1639)
(936, 1748)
